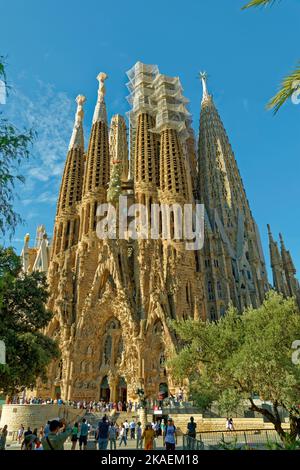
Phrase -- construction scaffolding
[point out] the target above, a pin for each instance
(161, 97)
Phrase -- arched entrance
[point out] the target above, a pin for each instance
(104, 389)
(122, 390)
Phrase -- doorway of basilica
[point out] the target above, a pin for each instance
(104, 390)
(122, 390)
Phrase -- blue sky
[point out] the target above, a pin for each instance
(55, 50)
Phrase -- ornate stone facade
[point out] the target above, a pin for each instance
(113, 298)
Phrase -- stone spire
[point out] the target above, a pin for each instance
(67, 222)
(222, 192)
(97, 167)
(290, 271)
(279, 280)
(71, 186)
(286, 257)
(97, 164)
(77, 139)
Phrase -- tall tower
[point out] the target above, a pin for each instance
(279, 276)
(142, 120)
(96, 177)
(290, 271)
(223, 194)
(170, 123)
(67, 221)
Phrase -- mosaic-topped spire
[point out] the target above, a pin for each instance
(77, 140)
(203, 77)
(100, 114)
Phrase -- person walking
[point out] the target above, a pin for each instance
(163, 428)
(74, 436)
(102, 434)
(84, 430)
(191, 427)
(126, 426)
(3, 436)
(20, 433)
(139, 440)
(41, 433)
(122, 435)
(170, 440)
(230, 424)
(148, 436)
(132, 429)
(112, 436)
(59, 432)
(47, 429)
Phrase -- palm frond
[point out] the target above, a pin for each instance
(258, 3)
(288, 87)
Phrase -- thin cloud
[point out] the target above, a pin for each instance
(51, 115)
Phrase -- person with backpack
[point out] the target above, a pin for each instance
(170, 439)
(59, 432)
(112, 436)
(102, 434)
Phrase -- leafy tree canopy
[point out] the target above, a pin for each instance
(22, 317)
(240, 356)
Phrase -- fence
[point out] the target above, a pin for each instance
(249, 438)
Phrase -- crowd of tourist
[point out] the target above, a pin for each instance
(109, 434)
(171, 401)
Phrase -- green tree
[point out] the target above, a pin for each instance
(241, 356)
(291, 82)
(22, 317)
(14, 149)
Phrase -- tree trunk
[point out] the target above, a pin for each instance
(274, 418)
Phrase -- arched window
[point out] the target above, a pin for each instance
(213, 315)
(158, 328)
(210, 291)
(219, 289)
(162, 360)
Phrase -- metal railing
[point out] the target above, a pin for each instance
(244, 438)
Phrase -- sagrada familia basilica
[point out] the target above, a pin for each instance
(113, 298)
